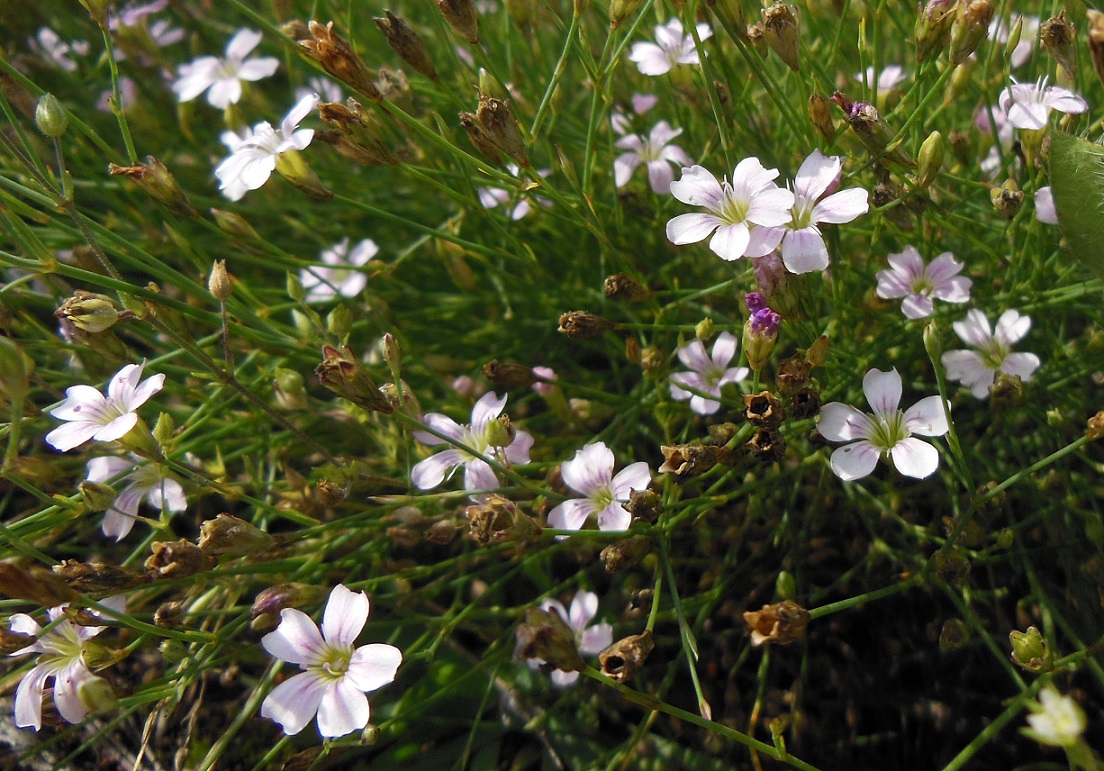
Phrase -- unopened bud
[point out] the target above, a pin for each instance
(461, 17)
(821, 117)
(359, 135)
(339, 59)
(933, 341)
(871, 130)
(295, 595)
(228, 536)
(544, 635)
(933, 27)
(624, 659)
(342, 373)
(479, 138)
(785, 586)
(781, 32)
(35, 584)
(621, 287)
(392, 354)
(219, 283)
(499, 432)
(50, 117)
(760, 331)
(970, 27)
(407, 43)
(509, 374)
(154, 179)
(954, 634)
(173, 651)
(97, 579)
(97, 496)
(1007, 199)
(90, 312)
(1056, 35)
(1031, 651)
(626, 553)
(930, 160)
(500, 125)
(1096, 427)
(339, 321)
(704, 329)
(96, 695)
(584, 324)
(235, 226)
(781, 623)
(293, 167)
(622, 9)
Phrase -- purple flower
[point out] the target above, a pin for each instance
(763, 320)
(707, 374)
(590, 639)
(747, 214)
(918, 283)
(590, 473)
(478, 475)
(655, 152)
(992, 354)
(671, 48)
(336, 675)
(1028, 105)
(803, 248)
(888, 431)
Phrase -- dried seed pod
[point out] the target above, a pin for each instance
(544, 635)
(584, 324)
(686, 461)
(461, 17)
(763, 410)
(781, 32)
(98, 578)
(500, 125)
(178, 559)
(621, 287)
(157, 181)
(228, 536)
(407, 43)
(34, 584)
(339, 59)
(781, 623)
(342, 373)
(479, 138)
(509, 374)
(626, 553)
(767, 445)
(644, 505)
(623, 660)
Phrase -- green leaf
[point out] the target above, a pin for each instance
(1077, 181)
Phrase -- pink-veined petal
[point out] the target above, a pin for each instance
(1022, 364)
(571, 514)
(844, 206)
(28, 697)
(224, 92)
(660, 176)
(771, 207)
(562, 679)
(966, 367)
(817, 172)
(804, 251)
(730, 242)
(442, 424)
(345, 616)
(125, 382)
(917, 306)
(883, 391)
(693, 355)
(78, 399)
(342, 709)
(373, 666)
(296, 640)
(1011, 327)
(762, 241)
(698, 187)
(623, 168)
(691, 228)
(584, 606)
(614, 517)
(66, 682)
(430, 472)
(117, 428)
(478, 475)
(840, 422)
(635, 476)
(927, 417)
(590, 469)
(1029, 115)
(518, 451)
(724, 349)
(854, 461)
(71, 435)
(699, 405)
(487, 409)
(242, 43)
(294, 702)
(596, 638)
(974, 329)
(256, 69)
(915, 458)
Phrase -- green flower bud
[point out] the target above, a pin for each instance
(50, 117)
(930, 159)
(970, 27)
(295, 288)
(339, 322)
(173, 651)
(342, 373)
(97, 496)
(96, 695)
(228, 536)
(781, 31)
(1031, 651)
(90, 312)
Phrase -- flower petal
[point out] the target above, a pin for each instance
(883, 391)
(487, 409)
(430, 472)
(614, 517)
(840, 422)
(915, 458)
(1022, 364)
(294, 702)
(854, 461)
(844, 206)
(373, 666)
(927, 417)
(698, 187)
(342, 709)
(345, 616)
(730, 242)
(296, 640)
(690, 228)
(584, 606)
(28, 697)
(571, 514)
(596, 639)
(590, 470)
(635, 476)
(804, 251)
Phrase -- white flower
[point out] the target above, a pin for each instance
(337, 276)
(747, 214)
(478, 475)
(890, 76)
(591, 640)
(589, 473)
(706, 374)
(886, 432)
(91, 415)
(653, 151)
(1056, 720)
(143, 480)
(336, 675)
(671, 48)
(58, 51)
(254, 155)
(61, 648)
(327, 90)
(1029, 104)
(1004, 135)
(992, 354)
(918, 283)
(517, 206)
(621, 123)
(803, 249)
(1044, 206)
(224, 76)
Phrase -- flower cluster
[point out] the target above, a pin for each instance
(91, 415)
(992, 354)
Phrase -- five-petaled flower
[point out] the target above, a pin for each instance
(91, 415)
(910, 278)
(336, 675)
(517, 205)
(803, 248)
(670, 49)
(882, 82)
(707, 374)
(61, 650)
(1028, 105)
(886, 432)
(590, 639)
(253, 156)
(992, 354)
(748, 213)
(590, 473)
(224, 76)
(1055, 719)
(143, 479)
(479, 435)
(653, 151)
(338, 275)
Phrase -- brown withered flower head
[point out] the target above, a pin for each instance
(98, 578)
(763, 410)
(500, 125)
(407, 43)
(154, 179)
(509, 374)
(685, 461)
(626, 289)
(339, 59)
(544, 635)
(178, 559)
(584, 324)
(781, 623)
(624, 659)
(626, 553)
(767, 445)
(645, 505)
(342, 373)
(461, 17)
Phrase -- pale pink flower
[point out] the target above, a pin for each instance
(653, 151)
(910, 278)
(61, 658)
(547, 376)
(882, 82)
(590, 473)
(641, 103)
(91, 415)
(707, 374)
(253, 156)
(886, 432)
(590, 639)
(338, 275)
(803, 248)
(1028, 105)
(57, 50)
(143, 479)
(671, 48)
(747, 214)
(992, 354)
(222, 78)
(478, 475)
(336, 675)
(517, 205)
(1044, 206)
